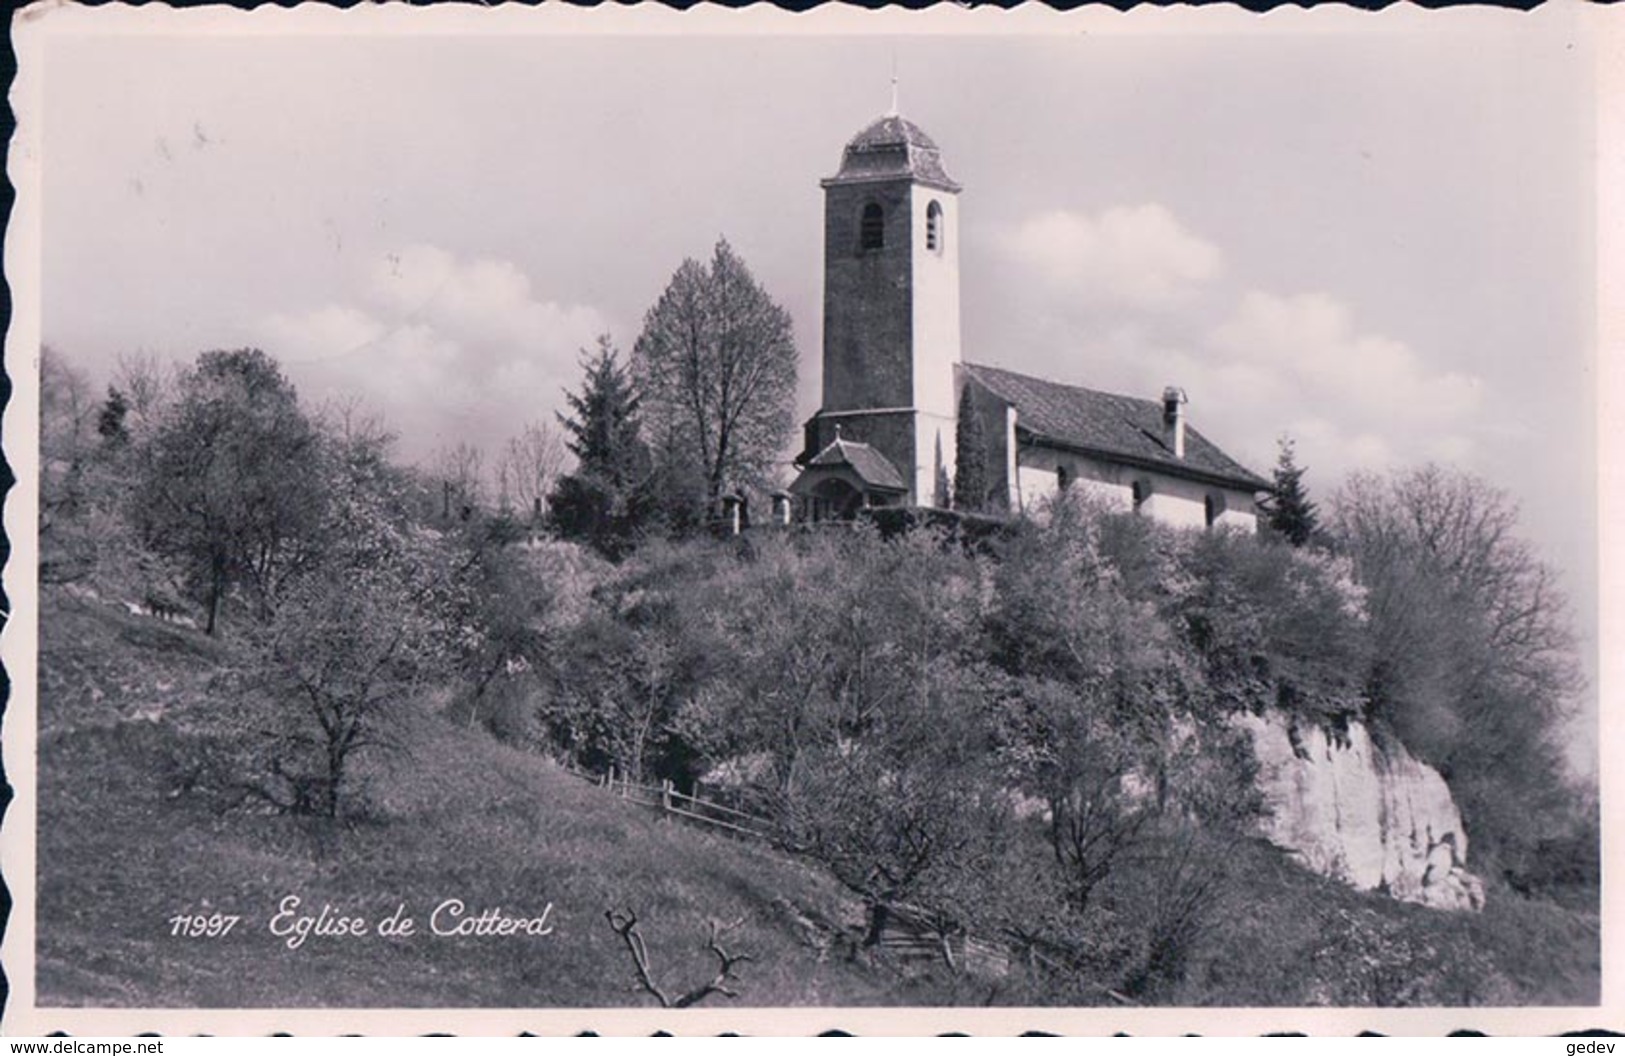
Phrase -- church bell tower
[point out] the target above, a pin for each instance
(891, 306)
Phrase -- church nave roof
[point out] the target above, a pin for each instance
(1110, 425)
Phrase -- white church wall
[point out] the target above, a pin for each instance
(929, 429)
(1242, 514)
(1012, 471)
(1173, 500)
(1184, 503)
(1175, 505)
(934, 276)
(1039, 484)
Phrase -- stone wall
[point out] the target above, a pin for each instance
(868, 299)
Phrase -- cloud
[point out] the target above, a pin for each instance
(1130, 300)
(480, 300)
(447, 348)
(1299, 365)
(1310, 339)
(1138, 255)
(322, 333)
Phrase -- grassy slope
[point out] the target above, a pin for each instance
(464, 817)
(1304, 939)
(120, 852)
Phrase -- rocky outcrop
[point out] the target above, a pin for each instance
(1374, 817)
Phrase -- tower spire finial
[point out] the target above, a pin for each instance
(893, 111)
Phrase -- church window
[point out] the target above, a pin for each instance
(933, 227)
(1062, 478)
(872, 229)
(1214, 506)
(1142, 493)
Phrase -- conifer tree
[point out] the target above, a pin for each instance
(1290, 511)
(943, 490)
(604, 500)
(970, 457)
(110, 422)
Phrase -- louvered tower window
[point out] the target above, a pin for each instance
(872, 229)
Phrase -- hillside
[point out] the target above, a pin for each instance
(122, 848)
(130, 836)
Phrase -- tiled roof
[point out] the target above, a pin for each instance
(1123, 426)
(872, 467)
(890, 148)
(892, 130)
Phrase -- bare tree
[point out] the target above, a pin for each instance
(147, 383)
(1474, 653)
(68, 438)
(1188, 881)
(527, 468)
(625, 924)
(67, 430)
(349, 418)
(461, 469)
(716, 364)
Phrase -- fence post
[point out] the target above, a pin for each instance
(665, 795)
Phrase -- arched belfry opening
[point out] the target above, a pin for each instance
(933, 226)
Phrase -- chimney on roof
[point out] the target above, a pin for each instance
(1173, 418)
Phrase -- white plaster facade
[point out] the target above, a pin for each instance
(1172, 500)
(935, 275)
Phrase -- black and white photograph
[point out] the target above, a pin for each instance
(624, 519)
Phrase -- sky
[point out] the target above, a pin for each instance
(1371, 234)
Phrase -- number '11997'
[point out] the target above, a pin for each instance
(202, 926)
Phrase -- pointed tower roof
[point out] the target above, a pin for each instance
(889, 148)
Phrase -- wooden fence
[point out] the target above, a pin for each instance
(665, 798)
(908, 932)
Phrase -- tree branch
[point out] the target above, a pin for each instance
(625, 924)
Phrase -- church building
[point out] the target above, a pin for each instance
(894, 379)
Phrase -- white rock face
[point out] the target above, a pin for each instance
(1373, 818)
